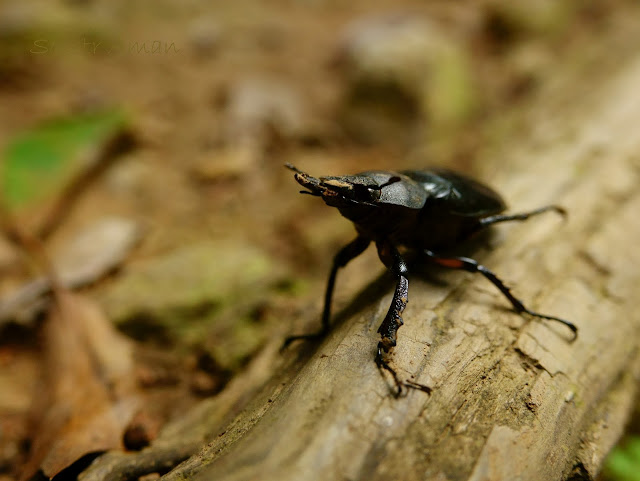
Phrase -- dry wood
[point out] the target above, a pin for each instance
(512, 399)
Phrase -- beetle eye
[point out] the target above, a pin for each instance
(366, 194)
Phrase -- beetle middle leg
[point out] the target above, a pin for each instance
(470, 265)
(341, 259)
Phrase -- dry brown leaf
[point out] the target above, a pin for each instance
(90, 255)
(90, 389)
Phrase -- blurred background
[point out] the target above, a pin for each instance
(143, 146)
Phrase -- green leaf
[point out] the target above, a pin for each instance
(623, 463)
(40, 161)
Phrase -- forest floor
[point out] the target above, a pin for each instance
(220, 255)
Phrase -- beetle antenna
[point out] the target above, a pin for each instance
(293, 167)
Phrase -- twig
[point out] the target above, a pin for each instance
(120, 143)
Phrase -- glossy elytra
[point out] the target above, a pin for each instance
(424, 210)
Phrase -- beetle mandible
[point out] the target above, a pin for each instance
(423, 210)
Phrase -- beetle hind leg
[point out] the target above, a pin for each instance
(496, 219)
(470, 265)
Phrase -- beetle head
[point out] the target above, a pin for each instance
(344, 191)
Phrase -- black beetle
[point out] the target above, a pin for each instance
(424, 210)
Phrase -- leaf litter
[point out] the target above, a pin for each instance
(90, 394)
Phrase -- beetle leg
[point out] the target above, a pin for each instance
(470, 265)
(341, 259)
(382, 364)
(393, 320)
(388, 330)
(495, 219)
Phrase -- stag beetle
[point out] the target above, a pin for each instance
(423, 210)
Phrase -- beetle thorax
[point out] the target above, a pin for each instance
(385, 221)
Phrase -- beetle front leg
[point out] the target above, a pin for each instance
(393, 320)
(341, 259)
(470, 265)
(389, 328)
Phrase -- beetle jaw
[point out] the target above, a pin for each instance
(315, 186)
(331, 190)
